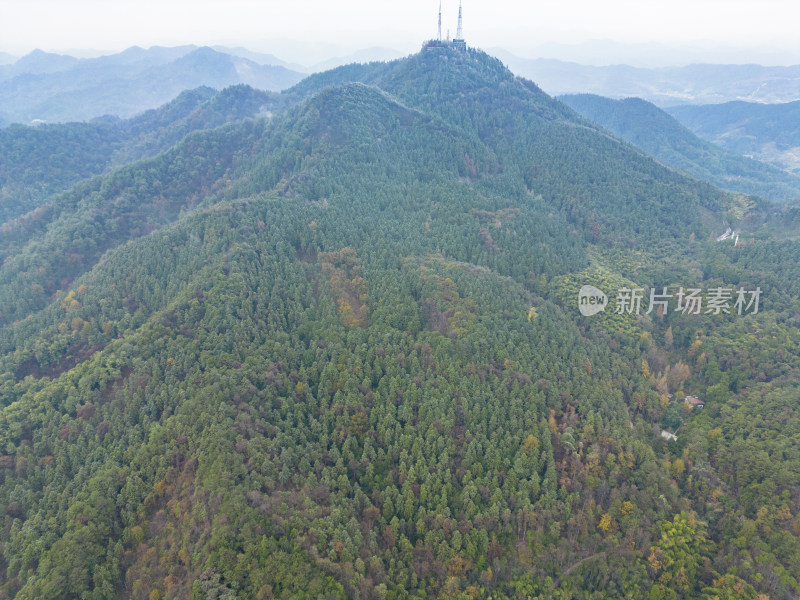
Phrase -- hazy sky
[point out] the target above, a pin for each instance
(344, 25)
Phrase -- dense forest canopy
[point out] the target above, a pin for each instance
(661, 136)
(768, 132)
(336, 352)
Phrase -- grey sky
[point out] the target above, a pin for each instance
(344, 25)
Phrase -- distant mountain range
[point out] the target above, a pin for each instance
(55, 88)
(43, 86)
(652, 54)
(669, 86)
(660, 135)
(768, 132)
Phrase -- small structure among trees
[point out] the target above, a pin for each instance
(694, 402)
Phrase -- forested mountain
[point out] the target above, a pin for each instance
(375, 53)
(54, 88)
(768, 132)
(336, 353)
(660, 135)
(39, 162)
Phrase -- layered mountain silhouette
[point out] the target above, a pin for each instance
(664, 86)
(661, 136)
(54, 88)
(767, 132)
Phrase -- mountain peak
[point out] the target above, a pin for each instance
(435, 77)
(39, 61)
(348, 108)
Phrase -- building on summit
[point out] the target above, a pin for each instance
(457, 42)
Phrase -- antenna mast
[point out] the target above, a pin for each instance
(458, 42)
(440, 20)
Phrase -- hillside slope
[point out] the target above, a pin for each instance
(336, 354)
(661, 136)
(768, 132)
(40, 162)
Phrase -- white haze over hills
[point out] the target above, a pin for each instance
(664, 86)
(603, 52)
(645, 34)
(46, 87)
(82, 84)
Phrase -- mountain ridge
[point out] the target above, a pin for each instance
(663, 86)
(661, 136)
(48, 159)
(125, 86)
(765, 131)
